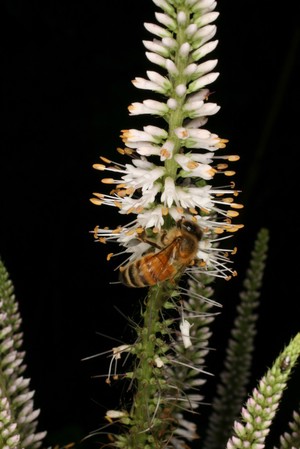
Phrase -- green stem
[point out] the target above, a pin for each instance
(147, 430)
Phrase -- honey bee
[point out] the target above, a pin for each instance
(178, 250)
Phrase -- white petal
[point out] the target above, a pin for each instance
(202, 81)
(156, 59)
(204, 50)
(207, 18)
(159, 79)
(157, 48)
(157, 30)
(185, 333)
(166, 20)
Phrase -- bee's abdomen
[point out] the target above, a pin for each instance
(132, 277)
(146, 271)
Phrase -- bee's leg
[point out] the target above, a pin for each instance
(144, 238)
(163, 237)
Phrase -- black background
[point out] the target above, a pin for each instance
(66, 83)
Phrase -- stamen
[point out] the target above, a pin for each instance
(165, 153)
(233, 158)
(108, 181)
(96, 201)
(211, 171)
(108, 161)
(99, 167)
(192, 165)
(99, 195)
(232, 213)
(222, 166)
(125, 151)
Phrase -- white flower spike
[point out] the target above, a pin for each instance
(174, 172)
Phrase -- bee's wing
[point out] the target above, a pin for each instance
(165, 264)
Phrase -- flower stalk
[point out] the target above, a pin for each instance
(182, 215)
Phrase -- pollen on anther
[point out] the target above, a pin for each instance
(125, 151)
(232, 213)
(121, 193)
(234, 228)
(99, 167)
(192, 165)
(229, 173)
(95, 230)
(211, 171)
(236, 205)
(227, 200)
(165, 153)
(104, 159)
(96, 201)
(98, 195)
(222, 166)
(109, 256)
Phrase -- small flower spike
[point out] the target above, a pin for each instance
(261, 407)
(18, 418)
(232, 387)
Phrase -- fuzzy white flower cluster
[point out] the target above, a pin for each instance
(173, 167)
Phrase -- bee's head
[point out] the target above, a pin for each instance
(191, 228)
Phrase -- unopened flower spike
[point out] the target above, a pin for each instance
(18, 417)
(260, 409)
